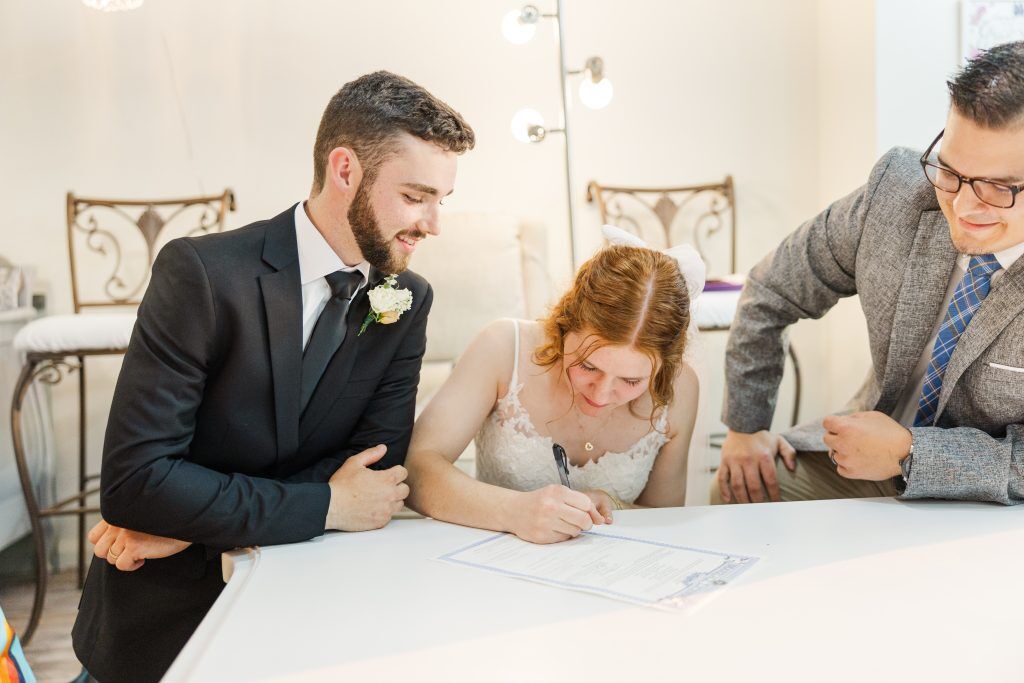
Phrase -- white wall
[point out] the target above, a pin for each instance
(846, 153)
(918, 49)
(191, 95)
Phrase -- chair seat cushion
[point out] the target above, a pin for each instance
(76, 332)
(716, 306)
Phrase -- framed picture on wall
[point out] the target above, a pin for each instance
(985, 24)
(12, 286)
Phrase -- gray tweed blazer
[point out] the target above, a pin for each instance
(889, 243)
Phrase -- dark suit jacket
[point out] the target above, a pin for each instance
(205, 442)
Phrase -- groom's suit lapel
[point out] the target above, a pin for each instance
(282, 301)
(339, 369)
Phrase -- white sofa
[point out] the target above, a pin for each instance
(483, 266)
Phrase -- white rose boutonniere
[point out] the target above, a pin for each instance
(387, 303)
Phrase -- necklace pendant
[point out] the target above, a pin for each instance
(588, 446)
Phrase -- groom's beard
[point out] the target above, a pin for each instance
(377, 249)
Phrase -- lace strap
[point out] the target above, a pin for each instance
(515, 361)
(661, 424)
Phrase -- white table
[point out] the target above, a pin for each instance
(854, 590)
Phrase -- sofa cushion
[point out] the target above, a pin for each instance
(475, 268)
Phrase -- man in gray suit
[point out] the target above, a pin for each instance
(931, 244)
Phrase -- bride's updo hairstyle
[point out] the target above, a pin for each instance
(625, 296)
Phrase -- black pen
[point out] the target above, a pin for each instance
(562, 464)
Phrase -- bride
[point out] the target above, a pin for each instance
(603, 377)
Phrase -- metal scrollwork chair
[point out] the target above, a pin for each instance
(112, 245)
(700, 215)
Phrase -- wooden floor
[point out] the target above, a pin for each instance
(49, 654)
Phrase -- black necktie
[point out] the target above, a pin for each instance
(329, 331)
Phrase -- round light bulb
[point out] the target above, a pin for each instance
(112, 5)
(523, 121)
(596, 95)
(515, 30)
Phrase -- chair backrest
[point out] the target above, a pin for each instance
(483, 266)
(112, 243)
(701, 215)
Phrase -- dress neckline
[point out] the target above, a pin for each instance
(526, 422)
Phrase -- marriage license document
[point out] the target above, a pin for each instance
(649, 573)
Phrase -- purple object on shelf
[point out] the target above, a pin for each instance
(722, 286)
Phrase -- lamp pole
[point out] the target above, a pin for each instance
(595, 91)
(566, 100)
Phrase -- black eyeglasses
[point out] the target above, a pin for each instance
(999, 195)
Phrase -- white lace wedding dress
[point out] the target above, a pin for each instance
(511, 454)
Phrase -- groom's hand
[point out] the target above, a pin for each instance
(748, 461)
(128, 550)
(364, 499)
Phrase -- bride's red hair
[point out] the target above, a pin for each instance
(625, 296)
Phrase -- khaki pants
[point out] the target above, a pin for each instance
(816, 478)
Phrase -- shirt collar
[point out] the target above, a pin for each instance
(316, 257)
(1006, 258)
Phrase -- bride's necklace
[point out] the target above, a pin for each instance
(588, 445)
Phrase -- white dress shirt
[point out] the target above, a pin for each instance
(906, 408)
(317, 260)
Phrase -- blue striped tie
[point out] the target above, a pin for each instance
(967, 298)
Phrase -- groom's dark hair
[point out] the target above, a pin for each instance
(368, 114)
(989, 90)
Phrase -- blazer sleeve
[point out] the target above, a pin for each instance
(964, 463)
(803, 278)
(147, 482)
(389, 415)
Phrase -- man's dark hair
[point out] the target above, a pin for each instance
(368, 114)
(989, 90)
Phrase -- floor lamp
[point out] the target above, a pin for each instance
(519, 27)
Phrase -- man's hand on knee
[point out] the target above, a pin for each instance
(748, 466)
(868, 446)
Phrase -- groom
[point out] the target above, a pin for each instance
(253, 408)
(932, 245)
